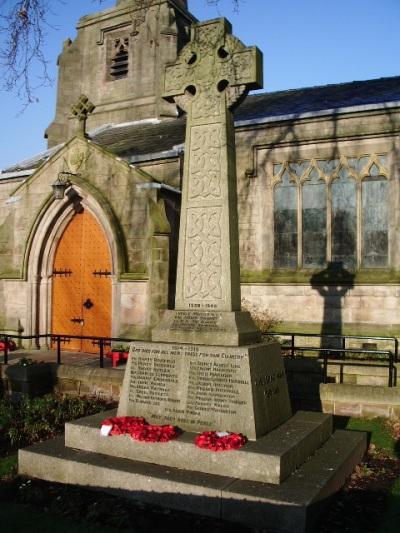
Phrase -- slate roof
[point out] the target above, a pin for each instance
(320, 98)
(136, 140)
(140, 139)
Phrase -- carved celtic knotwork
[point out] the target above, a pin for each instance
(203, 266)
(205, 162)
(212, 74)
(207, 104)
(212, 56)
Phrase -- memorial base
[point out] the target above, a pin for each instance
(270, 459)
(218, 328)
(241, 389)
(292, 505)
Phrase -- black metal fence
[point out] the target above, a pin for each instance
(328, 355)
(57, 339)
(343, 355)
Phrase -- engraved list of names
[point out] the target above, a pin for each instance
(187, 385)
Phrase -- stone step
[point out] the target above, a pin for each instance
(291, 506)
(270, 459)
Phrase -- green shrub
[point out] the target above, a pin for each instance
(35, 419)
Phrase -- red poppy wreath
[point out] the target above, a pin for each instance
(138, 429)
(220, 441)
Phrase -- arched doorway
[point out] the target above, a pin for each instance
(81, 283)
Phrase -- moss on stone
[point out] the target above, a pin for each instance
(158, 217)
(134, 276)
(367, 276)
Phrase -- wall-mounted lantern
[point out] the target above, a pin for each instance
(61, 184)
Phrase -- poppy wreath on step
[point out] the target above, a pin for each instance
(220, 441)
(11, 346)
(139, 429)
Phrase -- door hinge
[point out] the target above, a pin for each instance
(61, 273)
(101, 273)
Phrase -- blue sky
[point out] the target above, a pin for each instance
(305, 43)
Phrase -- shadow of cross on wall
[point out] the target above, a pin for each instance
(332, 284)
(212, 74)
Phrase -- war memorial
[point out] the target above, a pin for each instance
(206, 367)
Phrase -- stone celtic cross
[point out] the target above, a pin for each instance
(81, 110)
(213, 73)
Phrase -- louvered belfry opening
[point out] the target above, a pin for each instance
(120, 62)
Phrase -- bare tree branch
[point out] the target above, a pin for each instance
(236, 3)
(23, 32)
(23, 25)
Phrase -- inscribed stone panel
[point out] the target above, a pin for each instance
(199, 388)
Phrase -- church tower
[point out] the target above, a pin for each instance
(116, 60)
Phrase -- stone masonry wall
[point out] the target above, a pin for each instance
(365, 309)
(129, 215)
(153, 38)
(306, 390)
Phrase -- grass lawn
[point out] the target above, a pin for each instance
(379, 433)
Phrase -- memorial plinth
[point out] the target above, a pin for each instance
(235, 328)
(205, 388)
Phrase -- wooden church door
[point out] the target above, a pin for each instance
(81, 288)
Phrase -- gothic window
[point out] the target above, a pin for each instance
(314, 220)
(344, 220)
(331, 210)
(285, 221)
(374, 194)
(120, 61)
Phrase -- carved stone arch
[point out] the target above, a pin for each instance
(40, 252)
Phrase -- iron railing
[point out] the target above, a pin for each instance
(329, 355)
(337, 356)
(58, 339)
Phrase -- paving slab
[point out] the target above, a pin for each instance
(270, 459)
(291, 506)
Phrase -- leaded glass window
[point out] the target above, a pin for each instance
(374, 194)
(285, 223)
(347, 196)
(314, 221)
(344, 220)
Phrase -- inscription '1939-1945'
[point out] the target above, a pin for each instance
(189, 321)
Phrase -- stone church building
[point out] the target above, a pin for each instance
(318, 184)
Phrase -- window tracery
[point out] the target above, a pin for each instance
(331, 210)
